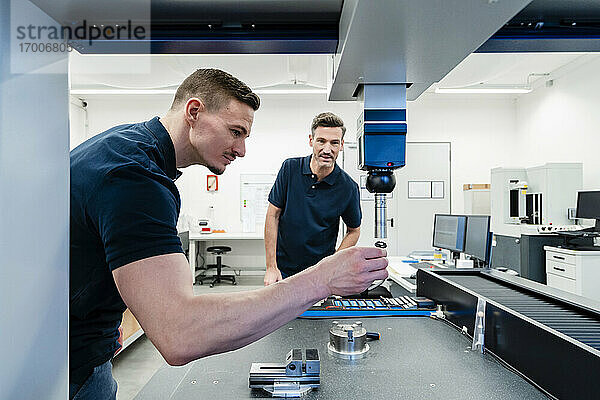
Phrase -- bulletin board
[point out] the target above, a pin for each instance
(254, 199)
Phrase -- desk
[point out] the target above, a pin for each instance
(416, 358)
(196, 238)
(400, 269)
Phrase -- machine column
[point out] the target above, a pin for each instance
(382, 144)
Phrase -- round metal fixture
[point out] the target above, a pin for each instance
(348, 341)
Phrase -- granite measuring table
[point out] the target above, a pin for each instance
(416, 358)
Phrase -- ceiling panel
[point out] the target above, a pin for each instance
(176, 11)
(163, 71)
(504, 68)
(416, 42)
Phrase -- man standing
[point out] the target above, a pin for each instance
(124, 249)
(306, 202)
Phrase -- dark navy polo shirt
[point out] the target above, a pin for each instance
(124, 208)
(310, 213)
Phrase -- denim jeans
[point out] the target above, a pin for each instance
(99, 386)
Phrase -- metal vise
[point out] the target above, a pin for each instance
(298, 376)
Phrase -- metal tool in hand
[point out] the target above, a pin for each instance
(295, 378)
(382, 245)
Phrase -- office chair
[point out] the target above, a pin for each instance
(218, 278)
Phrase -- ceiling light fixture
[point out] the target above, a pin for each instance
(83, 92)
(291, 91)
(276, 89)
(486, 89)
(295, 87)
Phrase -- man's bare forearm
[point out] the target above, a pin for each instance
(237, 320)
(271, 229)
(184, 327)
(350, 239)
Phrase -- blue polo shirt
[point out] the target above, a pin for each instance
(124, 208)
(310, 213)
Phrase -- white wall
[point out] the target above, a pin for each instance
(481, 131)
(280, 130)
(77, 122)
(561, 123)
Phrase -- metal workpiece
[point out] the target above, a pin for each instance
(295, 378)
(348, 340)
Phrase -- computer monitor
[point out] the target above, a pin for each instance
(449, 232)
(477, 242)
(588, 206)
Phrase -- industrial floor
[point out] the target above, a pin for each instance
(134, 367)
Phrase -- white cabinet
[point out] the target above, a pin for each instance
(574, 271)
(558, 183)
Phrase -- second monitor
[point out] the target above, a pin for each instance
(588, 206)
(469, 234)
(477, 242)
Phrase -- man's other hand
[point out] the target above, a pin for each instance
(272, 275)
(352, 270)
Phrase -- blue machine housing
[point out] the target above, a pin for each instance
(382, 139)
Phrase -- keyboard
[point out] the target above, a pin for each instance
(336, 307)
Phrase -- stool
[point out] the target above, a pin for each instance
(218, 250)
